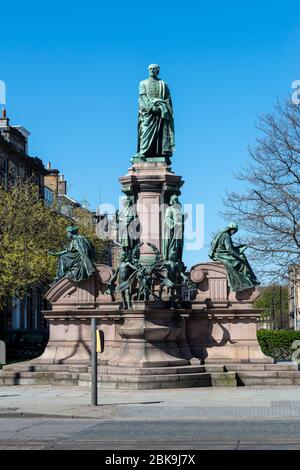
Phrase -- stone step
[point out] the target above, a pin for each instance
(253, 381)
(44, 368)
(147, 378)
(214, 368)
(148, 385)
(293, 366)
(39, 378)
(154, 378)
(269, 373)
(115, 370)
(222, 379)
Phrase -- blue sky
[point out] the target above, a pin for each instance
(72, 71)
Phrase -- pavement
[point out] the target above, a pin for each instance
(49, 417)
(200, 403)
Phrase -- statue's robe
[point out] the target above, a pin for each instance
(129, 227)
(155, 129)
(173, 232)
(77, 263)
(240, 274)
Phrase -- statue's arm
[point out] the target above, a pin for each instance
(169, 218)
(110, 286)
(145, 105)
(229, 246)
(57, 253)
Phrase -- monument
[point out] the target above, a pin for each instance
(156, 140)
(163, 326)
(76, 263)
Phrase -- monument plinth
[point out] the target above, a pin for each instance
(151, 184)
(153, 337)
(149, 338)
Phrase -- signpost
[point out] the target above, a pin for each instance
(97, 345)
(94, 373)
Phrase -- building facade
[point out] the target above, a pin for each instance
(15, 163)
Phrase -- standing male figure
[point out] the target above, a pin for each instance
(156, 138)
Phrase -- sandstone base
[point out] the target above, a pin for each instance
(211, 342)
(213, 375)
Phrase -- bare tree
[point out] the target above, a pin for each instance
(269, 208)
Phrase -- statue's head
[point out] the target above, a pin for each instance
(174, 199)
(232, 228)
(71, 231)
(153, 70)
(127, 201)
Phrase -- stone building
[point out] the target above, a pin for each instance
(17, 165)
(107, 229)
(56, 192)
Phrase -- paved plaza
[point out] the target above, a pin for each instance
(46, 417)
(206, 403)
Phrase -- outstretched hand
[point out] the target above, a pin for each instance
(52, 253)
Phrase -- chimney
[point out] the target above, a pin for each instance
(51, 179)
(4, 121)
(62, 186)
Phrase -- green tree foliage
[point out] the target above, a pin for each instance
(267, 207)
(274, 305)
(83, 218)
(28, 229)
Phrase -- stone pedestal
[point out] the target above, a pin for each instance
(151, 185)
(149, 335)
(212, 343)
(223, 337)
(223, 326)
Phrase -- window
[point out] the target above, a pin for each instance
(48, 196)
(4, 172)
(16, 313)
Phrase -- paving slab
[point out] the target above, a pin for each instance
(200, 403)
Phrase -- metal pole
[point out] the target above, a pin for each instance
(94, 376)
(295, 298)
(273, 308)
(281, 312)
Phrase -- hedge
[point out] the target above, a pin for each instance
(277, 343)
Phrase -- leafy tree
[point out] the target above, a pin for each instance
(269, 208)
(28, 230)
(83, 217)
(274, 304)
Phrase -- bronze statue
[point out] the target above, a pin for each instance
(76, 263)
(124, 275)
(156, 137)
(173, 230)
(240, 274)
(128, 225)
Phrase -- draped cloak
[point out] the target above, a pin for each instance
(240, 274)
(156, 135)
(77, 263)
